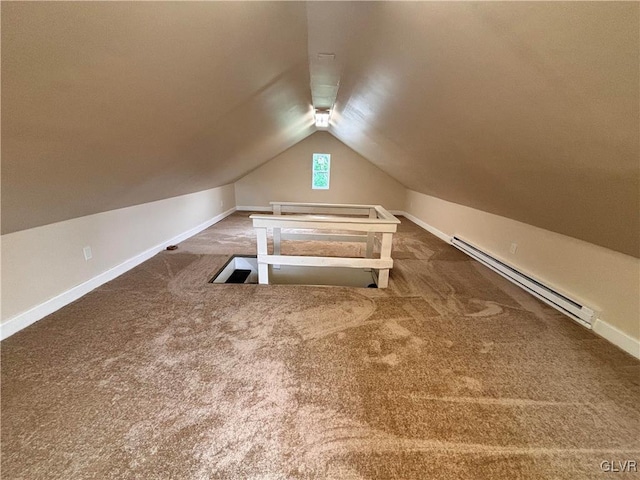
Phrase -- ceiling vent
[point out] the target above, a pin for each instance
(326, 56)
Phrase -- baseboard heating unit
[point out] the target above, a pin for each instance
(582, 314)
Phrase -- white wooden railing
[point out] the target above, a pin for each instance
(367, 220)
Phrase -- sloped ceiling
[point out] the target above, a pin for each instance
(111, 104)
(529, 110)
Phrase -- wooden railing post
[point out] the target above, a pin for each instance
(370, 238)
(277, 210)
(304, 217)
(263, 268)
(385, 253)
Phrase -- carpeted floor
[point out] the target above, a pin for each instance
(451, 373)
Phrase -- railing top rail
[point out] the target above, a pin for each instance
(382, 213)
(323, 219)
(385, 214)
(328, 205)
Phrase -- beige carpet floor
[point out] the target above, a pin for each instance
(451, 373)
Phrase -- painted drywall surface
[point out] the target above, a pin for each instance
(107, 105)
(287, 178)
(43, 262)
(528, 110)
(603, 279)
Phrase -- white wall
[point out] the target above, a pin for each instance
(40, 264)
(44, 268)
(287, 178)
(601, 278)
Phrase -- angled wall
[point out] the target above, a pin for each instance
(44, 268)
(605, 280)
(527, 110)
(106, 105)
(287, 178)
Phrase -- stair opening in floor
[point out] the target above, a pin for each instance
(243, 269)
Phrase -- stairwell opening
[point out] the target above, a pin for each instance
(243, 269)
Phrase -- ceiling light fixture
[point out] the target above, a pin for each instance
(322, 118)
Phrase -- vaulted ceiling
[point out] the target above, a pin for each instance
(528, 110)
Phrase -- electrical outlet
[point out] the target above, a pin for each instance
(513, 248)
(221, 203)
(87, 253)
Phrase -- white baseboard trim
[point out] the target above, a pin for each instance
(600, 327)
(24, 319)
(249, 208)
(429, 228)
(617, 337)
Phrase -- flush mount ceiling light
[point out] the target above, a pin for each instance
(322, 118)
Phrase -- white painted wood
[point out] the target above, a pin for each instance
(617, 337)
(429, 228)
(253, 208)
(337, 208)
(371, 236)
(383, 214)
(322, 223)
(321, 208)
(323, 237)
(383, 278)
(387, 242)
(385, 253)
(326, 261)
(330, 205)
(235, 263)
(277, 210)
(308, 216)
(276, 244)
(263, 268)
(325, 210)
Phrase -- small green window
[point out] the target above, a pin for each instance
(321, 171)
